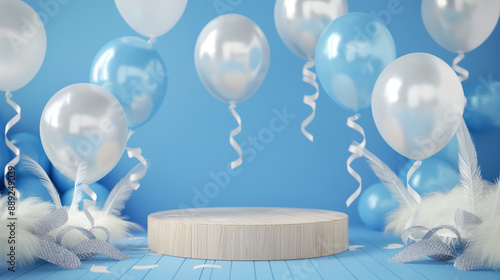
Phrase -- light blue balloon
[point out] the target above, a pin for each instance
(134, 72)
(350, 55)
(482, 112)
(29, 186)
(102, 195)
(435, 175)
(375, 203)
(31, 146)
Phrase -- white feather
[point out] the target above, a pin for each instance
(81, 173)
(38, 171)
(470, 173)
(121, 192)
(391, 181)
(28, 212)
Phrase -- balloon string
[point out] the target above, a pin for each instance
(10, 145)
(152, 40)
(413, 193)
(137, 153)
(233, 133)
(87, 203)
(463, 74)
(357, 152)
(310, 78)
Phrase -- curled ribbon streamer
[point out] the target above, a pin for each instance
(137, 153)
(310, 100)
(413, 193)
(135, 177)
(357, 152)
(89, 203)
(152, 40)
(233, 133)
(463, 74)
(10, 145)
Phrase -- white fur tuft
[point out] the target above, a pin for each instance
(28, 212)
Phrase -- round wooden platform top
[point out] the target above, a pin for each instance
(244, 233)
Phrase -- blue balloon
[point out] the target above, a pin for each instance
(435, 175)
(375, 203)
(482, 112)
(449, 153)
(62, 183)
(102, 195)
(134, 72)
(31, 146)
(351, 53)
(29, 186)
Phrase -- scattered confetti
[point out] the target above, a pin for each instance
(353, 248)
(207, 265)
(145, 266)
(394, 246)
(99, 269)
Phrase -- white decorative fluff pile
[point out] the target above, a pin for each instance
(28, 212)
(473, 194)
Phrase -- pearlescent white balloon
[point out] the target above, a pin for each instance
(23, 43)
(84, 122)
(300, 22)
(151, 18)
(460, 25)
(232, 57)
(417, 105)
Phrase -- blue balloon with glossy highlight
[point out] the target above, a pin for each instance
(375, 203)
(134, 72)
(350, 55)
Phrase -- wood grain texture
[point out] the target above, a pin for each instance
(250, 234)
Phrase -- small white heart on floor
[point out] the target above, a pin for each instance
(353, 248)
(394, 246)
(99, 269)
(145, 266)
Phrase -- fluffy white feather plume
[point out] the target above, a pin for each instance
(486, 234)
(78, 193)
(38, 172)
(470, 173)
(436, 209)
(391, 181)
(28, 212)
(121, 192)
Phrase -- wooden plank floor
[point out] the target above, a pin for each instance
(366, 259)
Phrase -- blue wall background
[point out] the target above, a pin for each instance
(187, 141)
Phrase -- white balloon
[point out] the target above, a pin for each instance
(232, 57)
(460, 25)
(301, 22)
(151, 18)
(23, 44)
(84, 122)
(417, 105)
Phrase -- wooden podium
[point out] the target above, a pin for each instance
(250, 234)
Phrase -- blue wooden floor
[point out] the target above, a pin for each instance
(366, 259)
